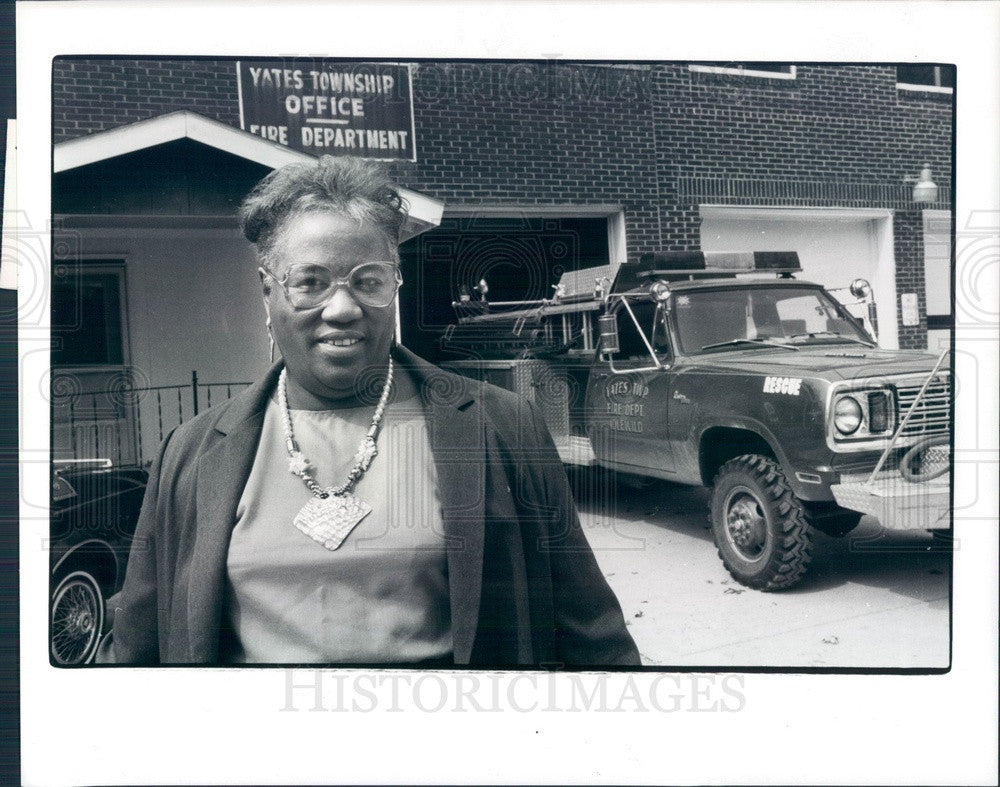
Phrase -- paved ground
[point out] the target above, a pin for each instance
(873, 599)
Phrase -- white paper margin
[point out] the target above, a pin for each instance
(125, 726)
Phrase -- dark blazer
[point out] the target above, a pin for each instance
(524, 585)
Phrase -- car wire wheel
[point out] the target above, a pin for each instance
(77, 619)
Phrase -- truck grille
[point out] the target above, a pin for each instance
(932, 415)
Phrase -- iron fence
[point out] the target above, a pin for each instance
(125, 423)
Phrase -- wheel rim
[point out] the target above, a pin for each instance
(745, 525)
(76, 615)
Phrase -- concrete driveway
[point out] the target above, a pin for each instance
(872, 599)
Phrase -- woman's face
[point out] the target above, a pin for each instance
(327, 349)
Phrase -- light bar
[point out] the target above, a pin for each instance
(666, 264)
(723, 261)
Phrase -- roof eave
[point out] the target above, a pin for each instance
(424, 212)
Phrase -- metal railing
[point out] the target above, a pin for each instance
(126, 424)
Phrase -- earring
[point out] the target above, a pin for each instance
(270, 339)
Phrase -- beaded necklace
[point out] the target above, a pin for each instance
(332, 512)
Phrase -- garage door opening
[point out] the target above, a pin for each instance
(835, 246)
(520, 259)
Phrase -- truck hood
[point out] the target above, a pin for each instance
(831, 362)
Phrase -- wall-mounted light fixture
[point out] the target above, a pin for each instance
(924, 189)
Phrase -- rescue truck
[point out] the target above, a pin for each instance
(723, 370)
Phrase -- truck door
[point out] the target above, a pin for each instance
(627, 412)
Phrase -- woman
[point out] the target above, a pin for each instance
(358, 505)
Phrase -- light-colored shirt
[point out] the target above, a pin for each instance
(382, 596)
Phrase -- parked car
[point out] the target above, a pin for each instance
(95, 507)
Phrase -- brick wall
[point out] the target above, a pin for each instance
(908, 240)
(94, 95)
(654, 138)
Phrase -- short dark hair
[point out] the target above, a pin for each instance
(350, 186)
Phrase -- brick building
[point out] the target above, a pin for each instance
(540, 167)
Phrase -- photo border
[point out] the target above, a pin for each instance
(136, 715)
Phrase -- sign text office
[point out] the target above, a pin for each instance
(317, 106)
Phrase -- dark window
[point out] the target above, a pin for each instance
(86, 317)
(521, 259)
(631, 342)
(928, 76)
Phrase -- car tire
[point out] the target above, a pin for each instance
(760, 526)
(76, 620)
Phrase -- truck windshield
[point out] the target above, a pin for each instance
(746, 319)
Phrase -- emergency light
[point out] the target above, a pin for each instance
(684, 264)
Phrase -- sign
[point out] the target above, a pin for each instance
(329, 107)
(911, 313)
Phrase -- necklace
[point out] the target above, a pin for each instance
(332, 512)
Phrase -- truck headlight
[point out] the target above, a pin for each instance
(847, 415)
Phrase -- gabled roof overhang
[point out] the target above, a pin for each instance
(425, 212)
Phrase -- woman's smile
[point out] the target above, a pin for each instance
(340, 343)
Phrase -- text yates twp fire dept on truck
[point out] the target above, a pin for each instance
(723, 370)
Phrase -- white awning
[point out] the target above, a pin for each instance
(425, 212)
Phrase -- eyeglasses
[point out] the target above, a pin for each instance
(370, 284)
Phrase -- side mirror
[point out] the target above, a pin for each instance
(873, 320)
(860, 288)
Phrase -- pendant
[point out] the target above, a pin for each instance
(329, 520)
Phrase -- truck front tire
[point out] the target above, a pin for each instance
(759, 524)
